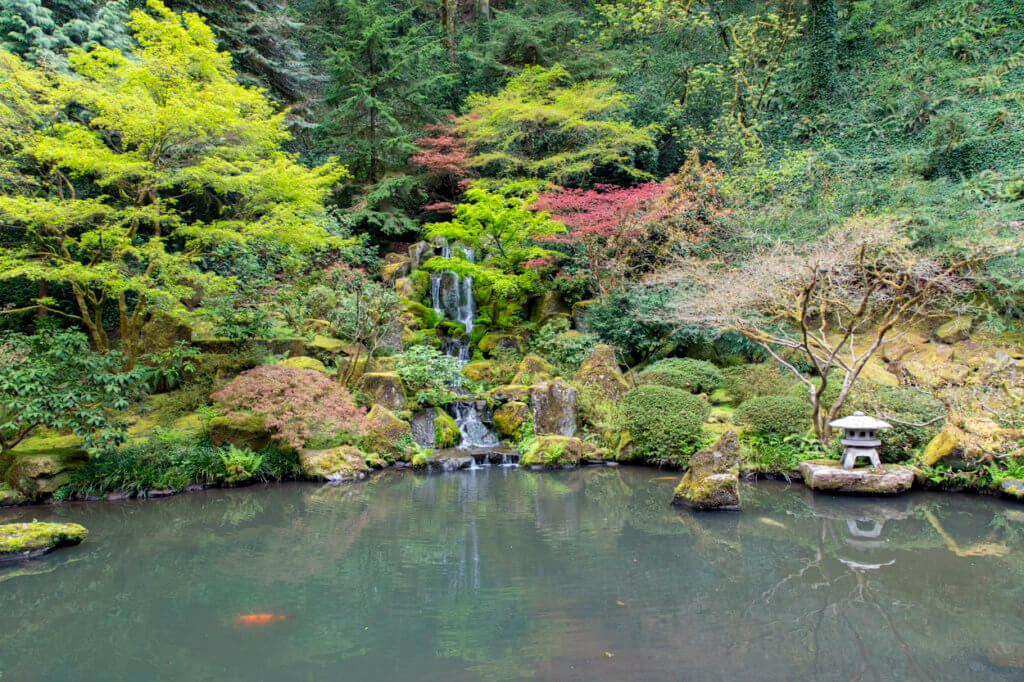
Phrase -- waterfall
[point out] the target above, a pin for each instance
(451, 296)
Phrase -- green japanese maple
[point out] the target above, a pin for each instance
(140, 165)
(502, 232)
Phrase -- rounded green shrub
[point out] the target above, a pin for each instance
(780, 414)
(688, 374)
(754, 381)
(921, 413)
(665, 423)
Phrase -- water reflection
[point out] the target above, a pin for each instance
(507, 574)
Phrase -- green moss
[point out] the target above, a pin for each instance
(421, 284)
(384, 431)
(426, 316)
(243, 431)
(446, 431)
(511, 419)
(553, 451)
(33, 538)
(304, 362)
(9, 496)
(419, 460)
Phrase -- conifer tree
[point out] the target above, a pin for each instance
(381, 87)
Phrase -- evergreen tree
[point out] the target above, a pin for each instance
(42, 31)
(382, 82)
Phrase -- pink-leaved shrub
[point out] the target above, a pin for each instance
(297, 405)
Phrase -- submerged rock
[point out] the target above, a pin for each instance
(1012, 487)
(554, 408)
(553, 451)
(343, 463)
(712, 481)
(600, 371)
(19, 541)
(829, 476)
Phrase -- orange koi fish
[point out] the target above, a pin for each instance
(259, 618)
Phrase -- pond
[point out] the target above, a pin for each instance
(499, 574)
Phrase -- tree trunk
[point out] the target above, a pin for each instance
(484, 10)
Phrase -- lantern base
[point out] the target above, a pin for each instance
(850, 456)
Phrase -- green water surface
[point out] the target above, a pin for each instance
(500, 574)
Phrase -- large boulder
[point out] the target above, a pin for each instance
(553, 451)
(510, 420)
(600, 371)
(162, 331)
(395, 266)
(38, 475)
(579, 313)
(957, 329)
(384, 431)
(532, 369)
(485, 371)
(384, 388)
(547, 307)
(446, 430)
(343, 463)
(712, 481)
(501, 394)
(492, 341)
(422, 427)
(945, 449)
(417, 252)
(10, 497)
(20, 541)
(829, 476)
(242, 431)
(554, 408)
(304, 362)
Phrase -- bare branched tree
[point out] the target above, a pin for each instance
(812, 301)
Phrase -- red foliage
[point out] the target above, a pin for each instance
(297, 405)
(443, 156)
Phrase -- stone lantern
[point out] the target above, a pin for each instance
(861, 439)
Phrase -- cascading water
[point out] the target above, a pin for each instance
(452, 296)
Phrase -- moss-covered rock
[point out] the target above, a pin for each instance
(548, 306)
(242, 431)
(553, 451)
(20, 541)
(712, 481)
(163, 331)
(384, 431)
(427, 317)
(944, 448)
(600, 372)
(494, 340)
(10, 497)
(957, 329)
(554, 408)
(395, 265)
(446, 431)
(305, 362)
(579, 313)
(325, 344)
(405, 288)
(829, 476)
(343, 463)
(1012, 487)
(384, 388)
(511, 420)
(507, 392)
(486, 371)
(532, 369)
(38, 474)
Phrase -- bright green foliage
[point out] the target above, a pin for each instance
(174, 157)
(665, 423)
(695, 376)
(428, 371)
(776, 414)
(500, 229)
(541, 125)
(382, 82)
(563, 348)
(55, 381)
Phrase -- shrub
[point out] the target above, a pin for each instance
(298, 405)
(561, 347)
(754, 381)
(777, 414)
(427, 371)
(688, 374)
(916, 417)
(665, 423)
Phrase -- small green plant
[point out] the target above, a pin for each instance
(563, 348)
(428, 372)
(168, 369)
(240, 464)
(773, 453)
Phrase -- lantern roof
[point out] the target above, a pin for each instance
(859, 420)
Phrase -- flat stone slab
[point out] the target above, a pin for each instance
(830, 476)
(20, 541)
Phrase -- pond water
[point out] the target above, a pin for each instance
(500, 574)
